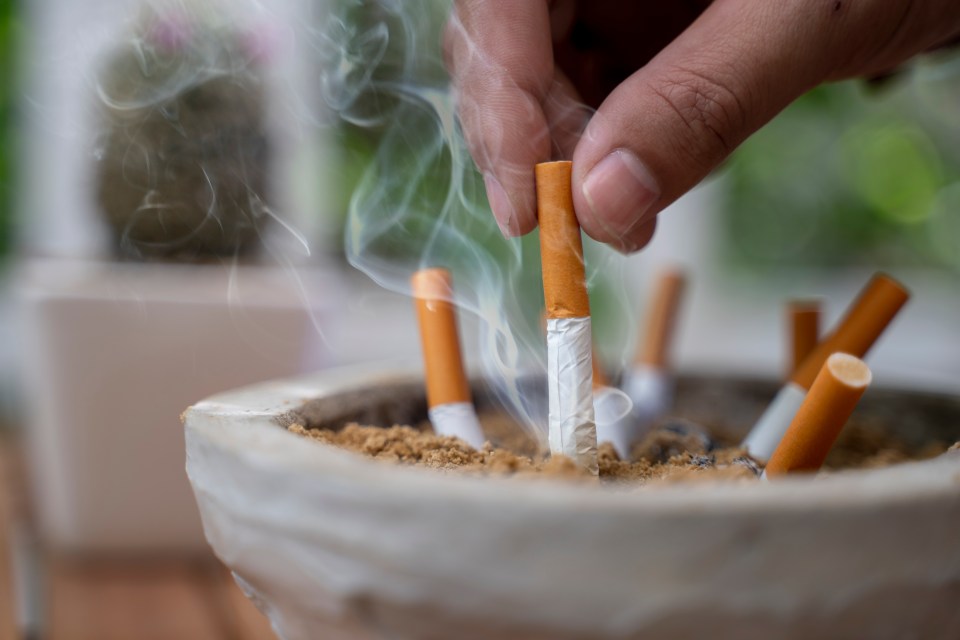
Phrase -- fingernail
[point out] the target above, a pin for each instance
(619, 191)
(501, 206)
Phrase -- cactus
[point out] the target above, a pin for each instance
(184, 154)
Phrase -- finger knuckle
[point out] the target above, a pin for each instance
(709, 112)
(452, 41)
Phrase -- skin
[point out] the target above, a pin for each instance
(676, 87)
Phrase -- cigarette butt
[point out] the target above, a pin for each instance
(571, 430)
(834, 394)
(804, 320)
(651, 391)
(600, 379)
(661, 319)
(863, 323)
(561, 247)
(446, 377)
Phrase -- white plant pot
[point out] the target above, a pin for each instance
(112, 353)
(333, 545)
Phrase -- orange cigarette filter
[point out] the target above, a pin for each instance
(446, 378)
(861, 326)
(804, 319)
(662, 319)
(835, 392)
(599, 376)
(561, 248)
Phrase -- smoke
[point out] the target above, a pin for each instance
(421, 201)
(185, 157)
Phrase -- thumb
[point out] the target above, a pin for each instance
(670, 123)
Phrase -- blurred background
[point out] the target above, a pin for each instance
(187, 186)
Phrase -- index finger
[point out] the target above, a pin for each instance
(500, 56)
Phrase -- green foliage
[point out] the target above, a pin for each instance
(845, 177)
(9, 42)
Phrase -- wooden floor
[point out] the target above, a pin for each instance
(121, 599)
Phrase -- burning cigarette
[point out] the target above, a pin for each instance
(611, 408)
(600, 379)
(835, 392)
(649, 383)
(572, 430)
(448, 391)
(804, 319)
(870, 314)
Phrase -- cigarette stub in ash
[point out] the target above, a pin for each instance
(649, 383)
(804, 320)
(612, 410)
(662, 320)
(859, 329)
(572, 430)
(614, 419)
(600, 379)
(832, 398)
(448, 390)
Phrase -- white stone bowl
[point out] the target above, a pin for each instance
(332, 545)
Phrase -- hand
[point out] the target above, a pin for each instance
(679, 85)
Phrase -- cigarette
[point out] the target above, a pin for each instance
(611, 408)
(832, 398)
(662, 320)
(804, 320)
(649, 383)
(863, 324)
(865, 320)
(613, 412)
(615, 421)
(572, 429)
(450, 406)
(600, 379)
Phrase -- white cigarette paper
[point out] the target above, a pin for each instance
(767, 433)
(573, 431)
(615, 421)
(648, 391)
(861, 326)
(651, 390)
(458, 419)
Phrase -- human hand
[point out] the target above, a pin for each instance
(679, 86)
